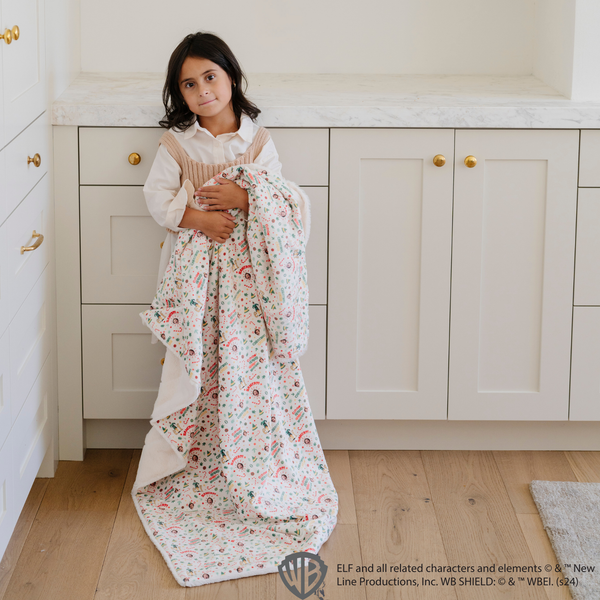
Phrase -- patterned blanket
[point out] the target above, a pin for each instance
(232, 476)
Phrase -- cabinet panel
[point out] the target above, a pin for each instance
(512, 274)
(8, 511)
(21, 176)
(3, 188)
(389, 274)
(25, 268)
(23, 65)
(304, 154)
(104, 153)
(585, 358)
(31, 434)
(120, 246)
(587, 255)
(589, 164)
(121, 368)
(30, 341)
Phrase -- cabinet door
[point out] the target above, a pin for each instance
(389, 273)
(512, 274)
(23, 65)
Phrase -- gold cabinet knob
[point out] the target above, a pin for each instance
(470, 161)
(7, 36)
(36, 160)
(439, 160)
(161, 244)
(134, 158)
(38, 242)
(16, 32)
(162, 361)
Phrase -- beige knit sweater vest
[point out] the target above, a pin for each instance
(198, 172)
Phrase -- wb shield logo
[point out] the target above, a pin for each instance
(302, 573)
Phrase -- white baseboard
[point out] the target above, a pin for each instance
(399, 435)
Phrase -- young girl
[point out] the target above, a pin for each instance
(232, 476)
(212, 122)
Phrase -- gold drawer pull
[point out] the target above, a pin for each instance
(134, 158)
(439, 160)
(38, 242)
(162, 361)
(36, 160)
(162, 244)
(8, 36)
(470, 161)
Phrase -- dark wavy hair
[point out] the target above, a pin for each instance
(213, 48)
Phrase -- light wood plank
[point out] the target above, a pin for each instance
(542, 552)
(477, 520)
(519, 468)
(64, 551)
(20, 533)
(396, 520)
(585, 465)
(134, 568)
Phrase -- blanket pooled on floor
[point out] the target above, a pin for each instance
(232, 476)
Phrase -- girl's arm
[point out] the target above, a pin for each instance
(166, 198)
(269, 158)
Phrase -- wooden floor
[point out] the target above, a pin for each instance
(79, 536)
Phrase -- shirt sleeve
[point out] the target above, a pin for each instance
(269, 158)
(166, 198)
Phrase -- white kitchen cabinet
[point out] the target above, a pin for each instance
(506, 315)
(23, 66)
(389, 273)
(512, 275)
(119, 255)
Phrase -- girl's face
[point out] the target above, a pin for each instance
(205, 87)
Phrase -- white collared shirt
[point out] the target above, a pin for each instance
(166, 198)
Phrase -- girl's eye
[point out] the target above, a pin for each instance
(209, 76)
(189, 83)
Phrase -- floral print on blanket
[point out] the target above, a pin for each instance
(256, 486)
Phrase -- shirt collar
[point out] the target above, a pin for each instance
(245, 130)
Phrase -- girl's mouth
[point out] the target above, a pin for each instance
(207, 102)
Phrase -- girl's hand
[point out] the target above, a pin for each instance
(224, 196)
(217, 225)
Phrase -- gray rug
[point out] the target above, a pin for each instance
(570, 512)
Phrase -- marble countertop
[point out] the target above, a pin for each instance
(340, 100)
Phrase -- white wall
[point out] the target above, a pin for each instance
(63, 58)
(586, 71)
(494, 37)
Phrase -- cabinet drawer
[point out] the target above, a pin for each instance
(30, 341)
(120, 246)
(24, 269)
(104, 153)
(121, 368)
(589, 158)
(316, 249)
(585, 358)
(5, 292)
(31, 434)
(3, 199)
(587, 249)
(21, 176)
(5, 413)
(304, 154)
